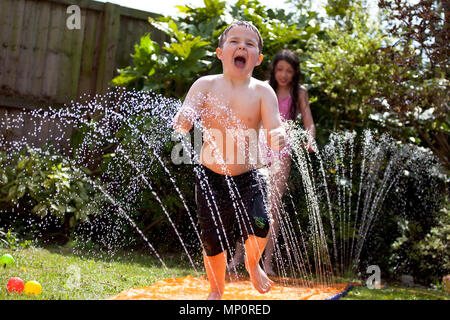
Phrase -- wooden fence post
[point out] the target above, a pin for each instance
(108, 47)
(77, 51)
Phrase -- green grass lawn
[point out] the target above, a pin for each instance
(395, 292)
(102, 275)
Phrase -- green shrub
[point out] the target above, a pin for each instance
(11, 240)
(132, 153)
(410, 236)
(435, 247)
(346, 73)
(43, 182)
(172, 68)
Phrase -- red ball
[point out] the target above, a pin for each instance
(15, 285)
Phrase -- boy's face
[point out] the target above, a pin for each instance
(240, 53)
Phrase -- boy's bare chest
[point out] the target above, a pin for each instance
(234, 110)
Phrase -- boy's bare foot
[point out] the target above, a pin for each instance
(259, 278)
(214, 296)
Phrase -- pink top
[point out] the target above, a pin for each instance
(284, 105)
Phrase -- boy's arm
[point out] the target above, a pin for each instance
(191, 108)
(271, 119)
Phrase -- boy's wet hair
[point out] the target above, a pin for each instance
(246, 24)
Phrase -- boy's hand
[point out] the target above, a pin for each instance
(184, 119)
(277, 138)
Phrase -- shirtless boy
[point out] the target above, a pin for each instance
(232, 102)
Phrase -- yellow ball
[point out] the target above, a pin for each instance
(32, 287)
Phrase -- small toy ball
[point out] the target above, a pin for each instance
(15, 285)
(6, 259)
(32, 287)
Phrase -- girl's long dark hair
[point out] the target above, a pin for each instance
(291, 58)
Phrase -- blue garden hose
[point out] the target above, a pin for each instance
(341, 294)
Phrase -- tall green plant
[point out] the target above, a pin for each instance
(169, 73)
(193, 38)
(347, 72)
(418, 95)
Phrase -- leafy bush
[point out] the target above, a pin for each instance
(172, 68)
(436, 245)
(414, 104)
(42, 182)
(346, 73)
(169, 73)
(403, 237)
(130, 141)
(11, 240)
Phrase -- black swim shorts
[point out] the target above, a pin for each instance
(230, 208)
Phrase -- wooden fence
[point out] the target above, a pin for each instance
(43, 62)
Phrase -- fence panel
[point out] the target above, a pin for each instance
(43, 62)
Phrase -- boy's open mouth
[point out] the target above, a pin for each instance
(239, 62)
